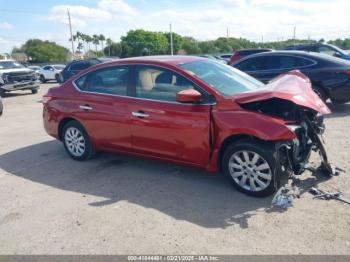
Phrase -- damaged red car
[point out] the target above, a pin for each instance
(192, 111)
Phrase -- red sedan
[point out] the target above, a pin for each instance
(193, 111)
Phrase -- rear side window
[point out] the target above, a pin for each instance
(251, 64)
(112, 80)
(78, 66)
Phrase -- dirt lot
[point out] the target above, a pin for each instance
(115, 204)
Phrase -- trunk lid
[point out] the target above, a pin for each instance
(292, 86)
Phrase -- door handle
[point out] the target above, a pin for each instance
(85, 107)
(140, 114)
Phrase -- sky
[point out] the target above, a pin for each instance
(257, 20)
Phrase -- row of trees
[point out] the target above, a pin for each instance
(140, 42)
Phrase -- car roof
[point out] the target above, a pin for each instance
(310, 55)
(167, 59)
(253, 49)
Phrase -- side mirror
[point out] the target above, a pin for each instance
(188, 96)
(337, 54)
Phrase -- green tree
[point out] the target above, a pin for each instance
(190, 45)
(39, 51)
(140, 42)
(113, 49)
(177, 42)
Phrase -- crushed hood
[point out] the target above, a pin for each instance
(292, 86)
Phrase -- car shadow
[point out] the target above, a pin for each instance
(17, 94)
(339, 110)
(183, 193)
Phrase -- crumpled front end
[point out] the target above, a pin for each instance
(290, 97)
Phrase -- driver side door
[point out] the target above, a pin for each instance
(161, 126)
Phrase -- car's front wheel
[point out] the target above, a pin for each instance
(42, 79)
(251, 167)
(57, 78)
(77, 142)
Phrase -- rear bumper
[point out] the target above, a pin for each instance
(21, 86)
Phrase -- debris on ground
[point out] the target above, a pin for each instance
(284, 196)
(325, 195)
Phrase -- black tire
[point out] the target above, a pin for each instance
(88, 151)
(320, 92)
(2, 92)
(57, 77)
(34, 91)
(266, 153)
(42, 79)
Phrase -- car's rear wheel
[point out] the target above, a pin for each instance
(251, 168)
(2, 92)
(34, 91)
(77, 142)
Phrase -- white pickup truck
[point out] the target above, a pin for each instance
(14, 76)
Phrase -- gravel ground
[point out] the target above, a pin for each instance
(115, 204)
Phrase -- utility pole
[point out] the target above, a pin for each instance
(294, 34)
(227, 33)
(71, 33)
(171, 41)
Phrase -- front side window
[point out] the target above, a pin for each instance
(159, 84)
(223, 78)
(112, 80)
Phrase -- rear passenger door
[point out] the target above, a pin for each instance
(162, 127)
(103, 109)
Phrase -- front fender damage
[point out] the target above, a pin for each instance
(291, 98)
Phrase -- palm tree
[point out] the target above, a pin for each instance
(89, 40)
(96, 41)
(101, 38)
(109, 42)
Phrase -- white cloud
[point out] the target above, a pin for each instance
(117, 7)
(80, 15)
(253, 19)
(5, 26)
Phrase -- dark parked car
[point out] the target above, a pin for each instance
(193, 111)
(322, 48)
(236, 56)
(224, 57)
(1, 106)
(330, 76)
(76, 66)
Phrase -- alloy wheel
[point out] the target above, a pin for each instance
(250, 170)
(75, 141)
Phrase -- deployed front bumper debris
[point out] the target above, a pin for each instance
(321, 194)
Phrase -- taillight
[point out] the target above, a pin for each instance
(347, 72)
(45, 100)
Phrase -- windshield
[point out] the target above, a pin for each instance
(223, 78)
(339, 50)
(10, 65)
(58, 67)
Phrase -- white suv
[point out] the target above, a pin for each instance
(50, 72)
